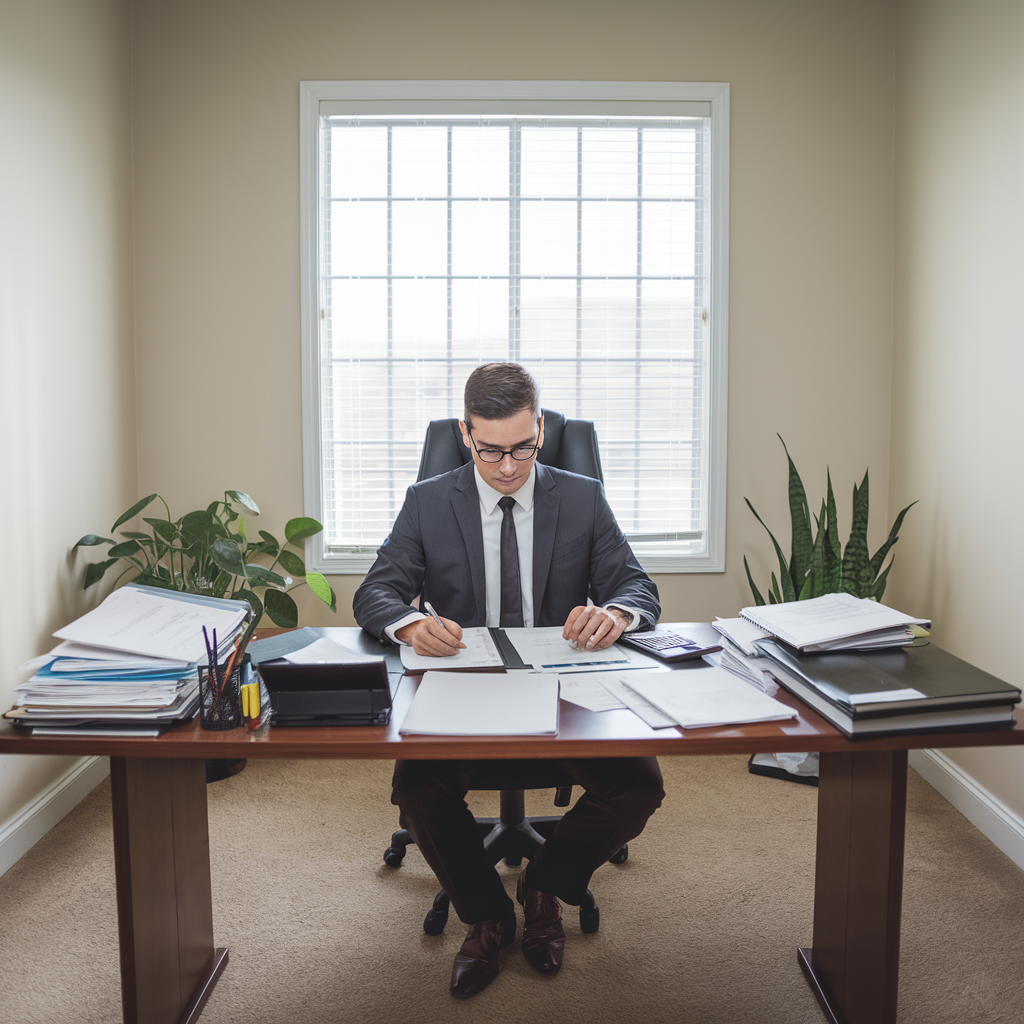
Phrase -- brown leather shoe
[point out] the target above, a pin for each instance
(476, 963)
(543, 938)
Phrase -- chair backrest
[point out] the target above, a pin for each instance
(568, 444)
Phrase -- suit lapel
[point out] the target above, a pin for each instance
(466, 506)
(545, 519)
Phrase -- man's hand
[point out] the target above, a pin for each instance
(592, 628)
(431, 640)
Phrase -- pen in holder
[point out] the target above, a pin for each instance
(219, 702)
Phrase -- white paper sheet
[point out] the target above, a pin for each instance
(155, 624)
(741, 633)
(586, 690)
(544, 648)
(479, 652)
(324, 652)
(615, 684)
(707, 697)
(484, 704)
(884, 696)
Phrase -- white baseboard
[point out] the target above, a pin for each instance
(991, 816)
(20, 832)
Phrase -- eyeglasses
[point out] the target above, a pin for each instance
(521, 454)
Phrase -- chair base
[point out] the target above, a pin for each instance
(511, 837)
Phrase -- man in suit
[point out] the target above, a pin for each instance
(505, 541)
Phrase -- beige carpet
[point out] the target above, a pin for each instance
(700, 925)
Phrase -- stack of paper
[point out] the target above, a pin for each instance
(708, 696)
(835, 622)
(130, 664)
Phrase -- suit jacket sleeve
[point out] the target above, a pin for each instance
(616, 577)
(396, 577)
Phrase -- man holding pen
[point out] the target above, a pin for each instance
(504, 541)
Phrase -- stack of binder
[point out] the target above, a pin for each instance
(914, 689)
(129, 667)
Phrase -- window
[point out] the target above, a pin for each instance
(576, 228)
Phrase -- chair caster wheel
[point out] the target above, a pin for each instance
(590, 920)
(620, 856)
(393, 856)
(433, 923)
(437, 916)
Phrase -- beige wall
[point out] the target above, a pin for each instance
(67, 375)
(217, 269)
(957, 423)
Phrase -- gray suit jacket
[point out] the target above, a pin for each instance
(436, 549)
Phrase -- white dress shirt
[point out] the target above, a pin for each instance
(490, 522)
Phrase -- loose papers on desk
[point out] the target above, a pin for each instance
(480, 652)
(483, 704)
(707, 696)
(542, 647)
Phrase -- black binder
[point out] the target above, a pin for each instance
(354, 693)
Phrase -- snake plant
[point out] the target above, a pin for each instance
(817, 565)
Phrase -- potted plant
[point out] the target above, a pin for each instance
(210, 552)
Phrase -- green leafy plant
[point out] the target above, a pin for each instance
(209, 552)
(816, 564)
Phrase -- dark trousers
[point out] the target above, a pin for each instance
(620, 794)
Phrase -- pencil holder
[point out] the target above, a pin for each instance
(219, 705)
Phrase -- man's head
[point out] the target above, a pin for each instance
(502, 415)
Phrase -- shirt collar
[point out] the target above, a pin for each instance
(489, 497)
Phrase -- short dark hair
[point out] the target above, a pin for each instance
(496, 391)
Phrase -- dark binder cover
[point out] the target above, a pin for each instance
(947, 682)
(509, 655)
(354, 693)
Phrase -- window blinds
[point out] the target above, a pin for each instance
(574, 246)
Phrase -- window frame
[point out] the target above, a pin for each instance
(526, 97)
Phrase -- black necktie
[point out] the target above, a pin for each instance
(511, 592)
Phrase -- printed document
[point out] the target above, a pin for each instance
(480, 652)
(544, 648)
(483, 704)
(324, 652)
(709, 696)
(158, 623)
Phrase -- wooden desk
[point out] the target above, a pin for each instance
(169, 964)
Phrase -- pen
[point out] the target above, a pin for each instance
(430, 611)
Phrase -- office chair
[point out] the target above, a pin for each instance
(570, 445)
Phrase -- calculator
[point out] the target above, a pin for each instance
(667, 646)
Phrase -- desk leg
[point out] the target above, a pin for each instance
(858, 886)
(164, 905)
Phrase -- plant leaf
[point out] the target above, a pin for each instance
(855, 558)
(788, 591)
(91, 540)
(758, 599)
(270, 544)
(196, 525)
(164, 528)
(319, 585)
(95, 571)
(802, 544)
(296, 530)
(879, 588)
(832, 550)
(281, 609)
(291, 562)
(133, 511)
(254, 602)
(243, 499)
(879, 556)
(129, 547)
(261, 576)
(228, 557)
